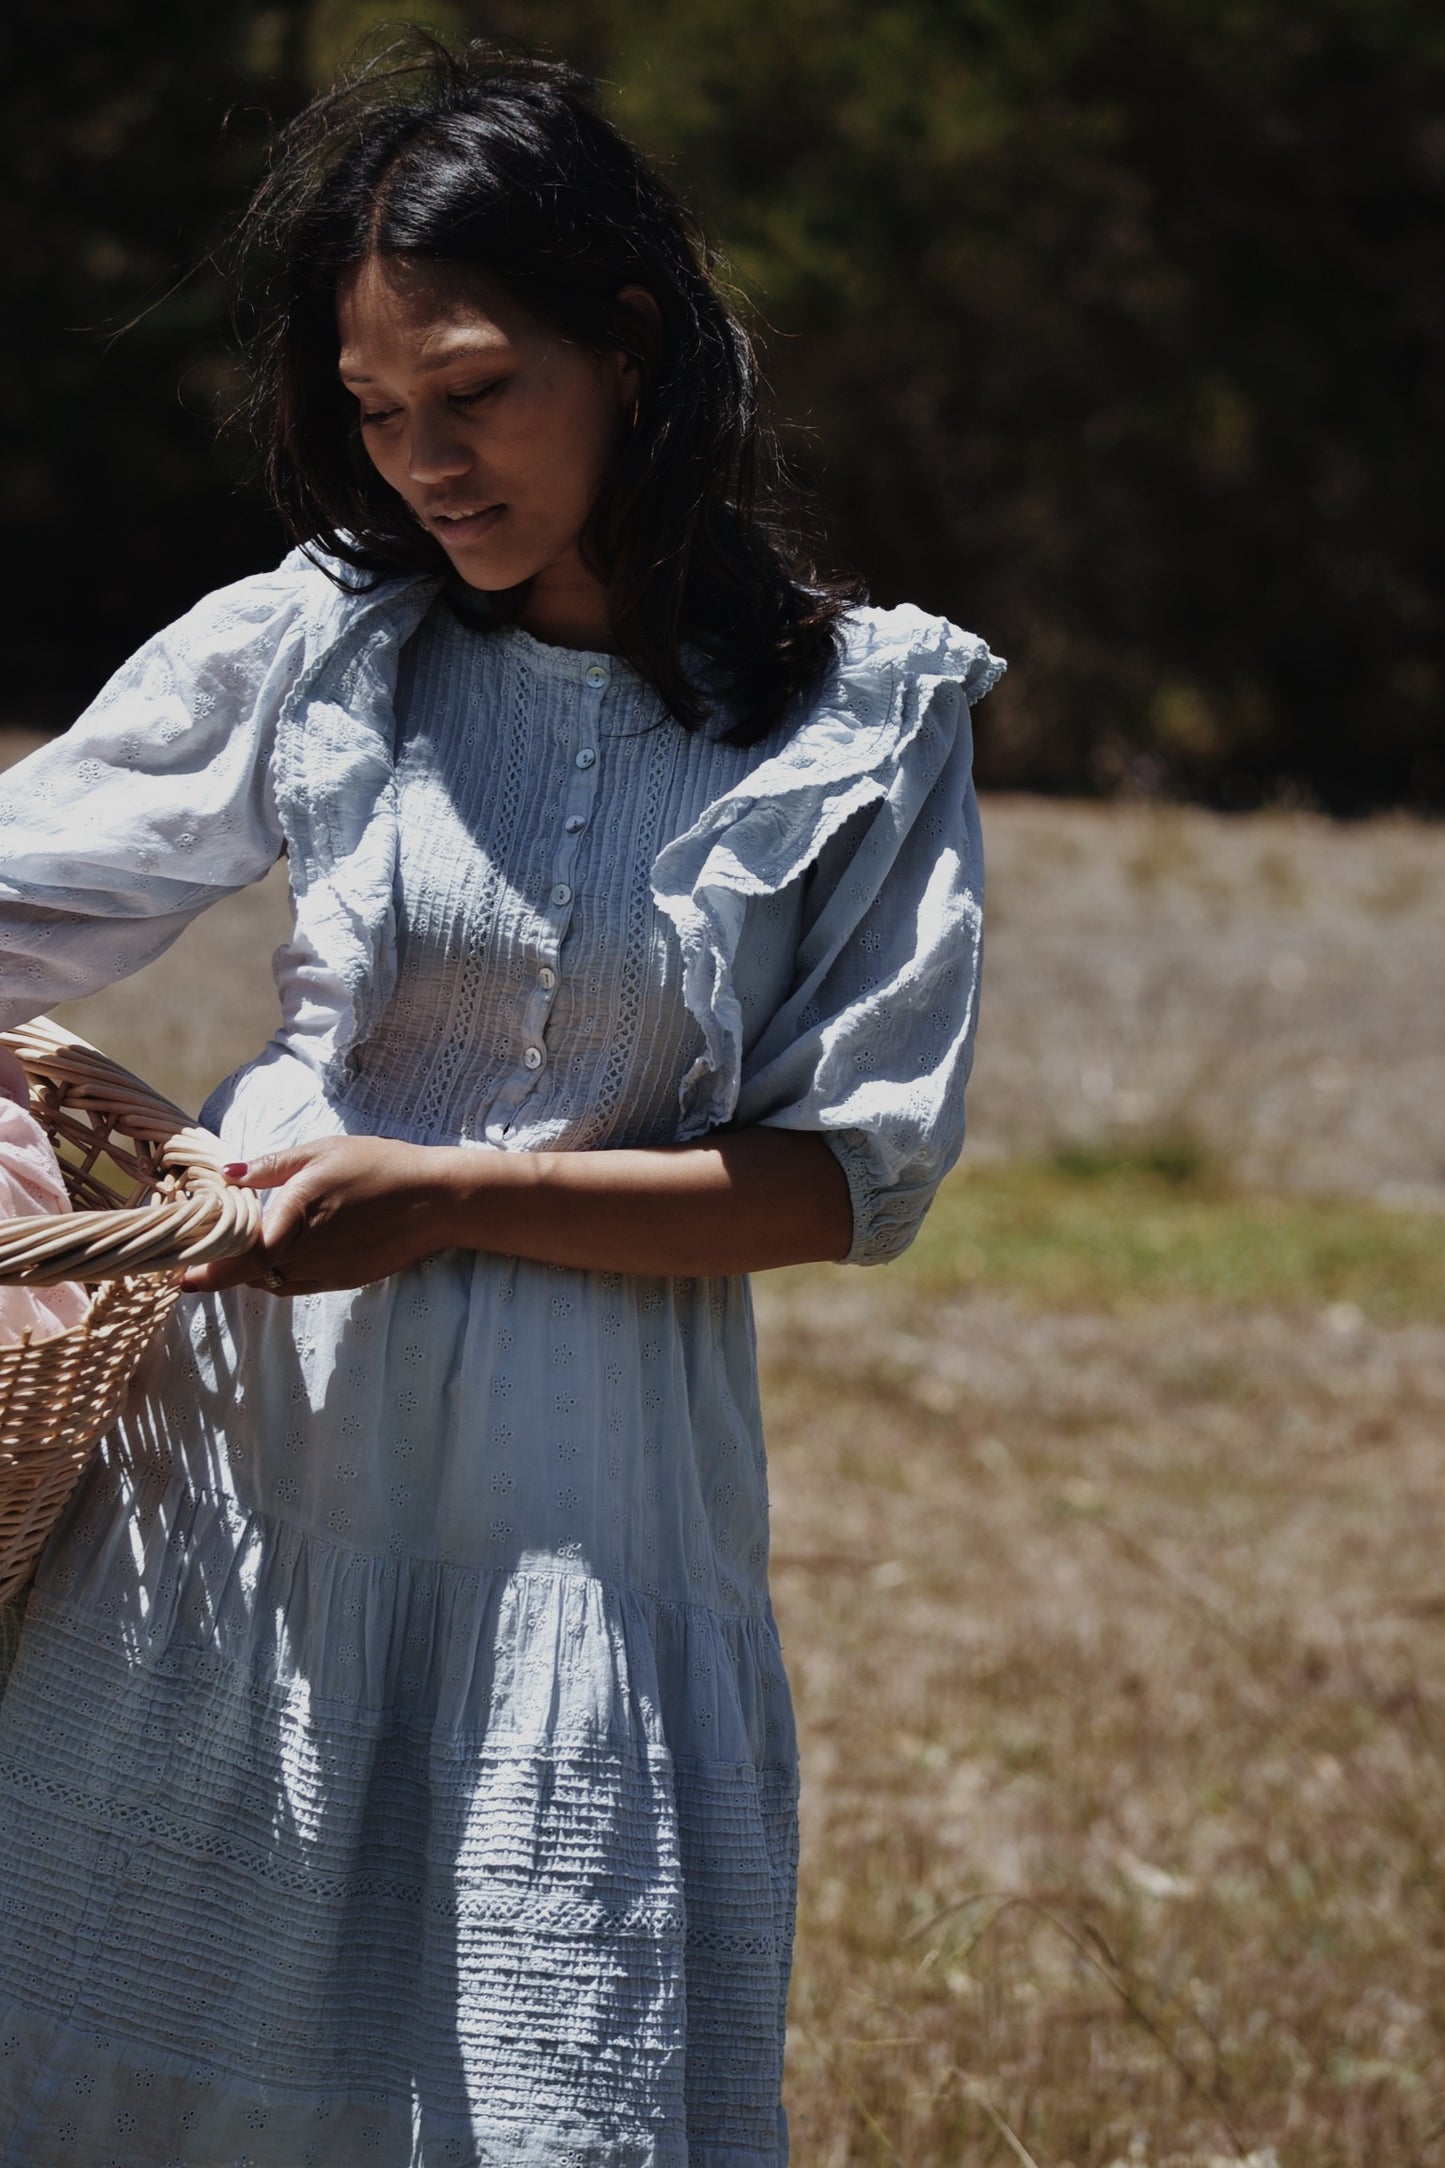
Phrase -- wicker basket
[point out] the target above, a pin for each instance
(149, 1199)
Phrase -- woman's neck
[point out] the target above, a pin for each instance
(566, 605)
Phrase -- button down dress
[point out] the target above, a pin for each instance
(398, 1764)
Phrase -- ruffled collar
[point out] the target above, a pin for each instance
(903, 677)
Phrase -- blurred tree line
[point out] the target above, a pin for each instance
(1113, 328)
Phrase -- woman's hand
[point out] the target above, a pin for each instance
(344, 1211)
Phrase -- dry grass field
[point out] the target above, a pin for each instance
(1109, 1525)
(1109, 1529)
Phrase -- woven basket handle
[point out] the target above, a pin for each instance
(189, 1214)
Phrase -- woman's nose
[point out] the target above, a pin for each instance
(436, 451)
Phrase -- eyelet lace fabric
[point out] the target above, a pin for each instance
(398, 1764)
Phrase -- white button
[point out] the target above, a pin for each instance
(573, 822)
(546, 978)
(596, 676)
(532, 1059)
(587, 758)
(561, 893)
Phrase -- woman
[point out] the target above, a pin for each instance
(398, 1763)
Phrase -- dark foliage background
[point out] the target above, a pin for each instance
(1113, 328)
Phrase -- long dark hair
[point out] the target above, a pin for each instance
(487, 157)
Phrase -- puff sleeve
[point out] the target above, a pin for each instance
(872, 809)
(157, 802)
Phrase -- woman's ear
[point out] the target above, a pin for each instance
(639, 322)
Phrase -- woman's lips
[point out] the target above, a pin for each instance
(466, 526)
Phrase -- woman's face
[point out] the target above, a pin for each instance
(495, 428)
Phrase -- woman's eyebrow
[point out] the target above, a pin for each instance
(483, 350)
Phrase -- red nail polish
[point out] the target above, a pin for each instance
(236, 1167)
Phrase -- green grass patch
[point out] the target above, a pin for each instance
(1107, 1231)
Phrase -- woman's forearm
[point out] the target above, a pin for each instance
(737, 1203)
(344, 1211)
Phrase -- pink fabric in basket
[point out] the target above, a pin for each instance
(31, 1181)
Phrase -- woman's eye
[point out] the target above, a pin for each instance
(475, 398)
(370, 416)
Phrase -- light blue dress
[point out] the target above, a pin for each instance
(398, 1766)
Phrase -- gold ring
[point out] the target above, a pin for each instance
(273, 1280)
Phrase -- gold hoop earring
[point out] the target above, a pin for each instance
(636, 412)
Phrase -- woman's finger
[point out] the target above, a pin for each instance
(247, 1270)
(270, 1169)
